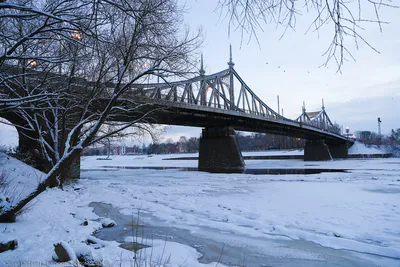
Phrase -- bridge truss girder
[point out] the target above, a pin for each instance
(320, 121)
(212, 91)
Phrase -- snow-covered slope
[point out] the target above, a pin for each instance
(360, 148)
(18, 178)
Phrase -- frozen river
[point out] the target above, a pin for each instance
(335, 218)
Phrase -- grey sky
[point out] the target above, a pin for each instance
(367, 89)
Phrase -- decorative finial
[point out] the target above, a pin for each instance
(323, 105)
(304, 106)
(202, 71)
(230, 63)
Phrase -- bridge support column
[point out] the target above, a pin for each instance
(339, 151)
(219, 151)
(316, 150)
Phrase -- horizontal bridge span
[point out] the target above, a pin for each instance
(183, 114)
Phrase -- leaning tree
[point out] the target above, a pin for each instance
(74, 65)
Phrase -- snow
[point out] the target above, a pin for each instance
(56, 216)
(360, 148)
(138, 161)
(107, 222)
(392, 149)
(89, 255)
(8, 135)
(21, 179)
(355, 211)
(274, 152)
(356, 148)
(82, 249)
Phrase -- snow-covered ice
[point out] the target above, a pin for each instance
(357, 211)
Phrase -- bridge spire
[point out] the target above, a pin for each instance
(303, 111)
(230, 63)
(203, 86)
(231, 83)
(202, 71)
(323, 105)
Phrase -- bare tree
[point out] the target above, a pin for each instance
(183, 144)
(87, 58)
(345, 19)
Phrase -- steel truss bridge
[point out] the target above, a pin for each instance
(218, 100)
(224, 99)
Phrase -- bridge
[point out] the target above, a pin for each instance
(221, 103)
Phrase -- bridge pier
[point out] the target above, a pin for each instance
(339, 151)
(219, 151)
(318, 150)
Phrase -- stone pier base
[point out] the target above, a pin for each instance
(219, 151)
(339, 151)
(318, 150)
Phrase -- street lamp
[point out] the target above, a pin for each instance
(76, 35)
(33, 63)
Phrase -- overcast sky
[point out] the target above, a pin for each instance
(290, 67)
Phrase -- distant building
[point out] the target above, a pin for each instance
(113, 150)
